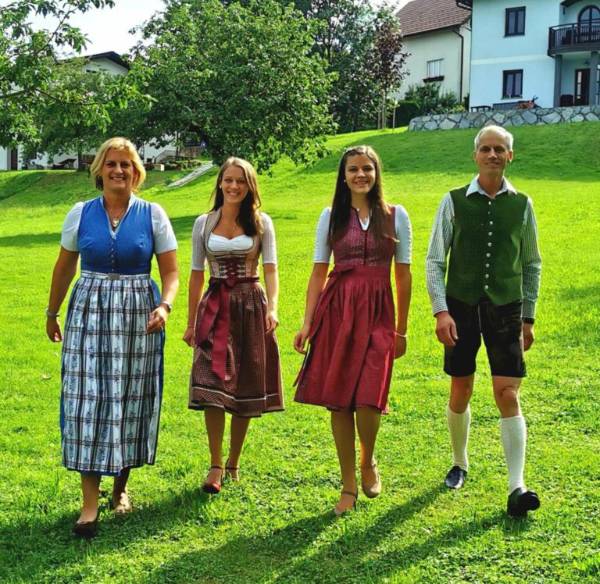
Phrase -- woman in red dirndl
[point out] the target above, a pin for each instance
(349, 321)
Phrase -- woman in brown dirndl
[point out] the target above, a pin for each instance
(236, 358)
(349, 323)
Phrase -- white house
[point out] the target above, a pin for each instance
(526, 48)
(111, 62)
(437, 35)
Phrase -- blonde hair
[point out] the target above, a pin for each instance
(122, 144)
(249, 217)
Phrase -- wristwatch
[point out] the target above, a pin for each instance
(528, 320)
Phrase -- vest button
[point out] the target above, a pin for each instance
(487, 255)
(489, 244)
(486, 287)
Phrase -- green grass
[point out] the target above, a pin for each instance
(275, 525)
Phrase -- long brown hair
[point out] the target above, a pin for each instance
(249, 217)
(342, 199)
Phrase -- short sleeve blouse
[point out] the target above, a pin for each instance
(162, 230)
(403, 230)
(268, 250)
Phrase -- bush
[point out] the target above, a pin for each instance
(430, 100)
(405, 111)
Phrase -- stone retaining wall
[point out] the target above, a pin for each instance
(514, 117)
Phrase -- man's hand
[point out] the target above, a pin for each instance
(445, 329)
(528, 336)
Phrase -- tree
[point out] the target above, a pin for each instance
(92, 107)
(388, 58)
(31, 76)
(238, 76)
(344, 38)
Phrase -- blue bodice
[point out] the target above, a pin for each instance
(127, 250)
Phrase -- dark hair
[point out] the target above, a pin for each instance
(249, 217)
(342, 199)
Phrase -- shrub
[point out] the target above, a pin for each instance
(430, 100)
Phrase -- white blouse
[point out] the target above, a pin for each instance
(403, 229)
(164, 237)
(219, 243)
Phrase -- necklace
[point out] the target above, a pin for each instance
(114, 221)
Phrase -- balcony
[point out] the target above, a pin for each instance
(569, 38)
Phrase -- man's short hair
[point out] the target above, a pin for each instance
(496, 130)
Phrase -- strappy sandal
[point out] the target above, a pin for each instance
(214, 487)
(124, 506)
(232, 472)
(339, 512)
(375, 489)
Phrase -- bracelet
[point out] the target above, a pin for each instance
(402, 336)
(51, 314)
(528, 320)
(168, 305)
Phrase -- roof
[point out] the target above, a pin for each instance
(110, 56)
(421, 16)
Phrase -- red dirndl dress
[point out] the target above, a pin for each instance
(351, 341)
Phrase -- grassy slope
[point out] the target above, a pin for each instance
(274, 526)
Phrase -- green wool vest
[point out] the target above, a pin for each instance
(485, 255)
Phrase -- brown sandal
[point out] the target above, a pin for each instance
(375, 489)
(232, 472)
(339, 512)
(214, 487)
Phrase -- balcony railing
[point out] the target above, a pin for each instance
(574, 37)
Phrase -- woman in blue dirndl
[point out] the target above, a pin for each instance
(112, 357)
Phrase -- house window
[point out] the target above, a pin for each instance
(589, 14)
(515, 21)
(512, 84)
(434, 70)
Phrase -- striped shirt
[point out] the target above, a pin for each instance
(441, 240)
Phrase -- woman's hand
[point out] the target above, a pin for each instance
(189, 336)
(271, 321)
(157, 320)
(53, 329)
(301, 338)
(399, 346)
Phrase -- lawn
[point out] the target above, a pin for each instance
(276, 525)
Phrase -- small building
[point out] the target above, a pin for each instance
(437, 35)
(548, 49)
(111, 62)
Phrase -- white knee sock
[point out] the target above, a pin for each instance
(514, 439)
(459, 424)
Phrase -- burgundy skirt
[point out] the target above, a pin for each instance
(351, 351)
(251, 384)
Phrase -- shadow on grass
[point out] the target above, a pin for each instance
(354, 557)
(284, 554)
(181, 225)
(30, 240)
(53, 545)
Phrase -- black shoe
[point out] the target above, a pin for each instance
(86, 529)
(455, 478)
(520, 501)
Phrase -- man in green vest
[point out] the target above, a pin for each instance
(490, 292)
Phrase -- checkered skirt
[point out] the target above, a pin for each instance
(252, 384)
(112, 374)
